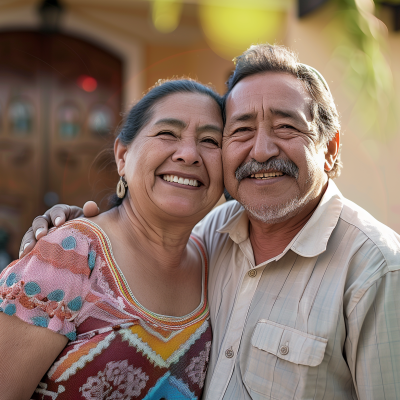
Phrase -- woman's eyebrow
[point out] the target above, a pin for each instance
(209, 127)
(171, 121)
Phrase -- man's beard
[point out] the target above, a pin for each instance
(276, 213)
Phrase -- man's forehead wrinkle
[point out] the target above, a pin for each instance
(263, 108)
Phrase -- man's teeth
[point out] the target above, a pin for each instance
(182, 181)
(266, 175)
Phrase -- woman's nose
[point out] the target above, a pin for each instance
(187, 153)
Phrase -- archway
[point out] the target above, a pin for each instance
(60, 97)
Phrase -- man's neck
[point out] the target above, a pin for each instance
(270, 240)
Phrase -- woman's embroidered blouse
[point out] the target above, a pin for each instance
(71, 284)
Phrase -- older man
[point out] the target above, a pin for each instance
(303, 285)
(303, 282)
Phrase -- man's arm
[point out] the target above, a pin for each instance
(56, 216)
(372, 346)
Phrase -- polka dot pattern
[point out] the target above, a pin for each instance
(40, 321)
(92, 259)
(10, 309)
(71, 335)
(75, 304)
(11, 279)
(69, 243)
(56, 295)
(32, 288)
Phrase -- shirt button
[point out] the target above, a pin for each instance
(284, 350)
(252, 273)
(229, 353)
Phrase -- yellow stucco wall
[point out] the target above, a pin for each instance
(371, 166)
(371, 170)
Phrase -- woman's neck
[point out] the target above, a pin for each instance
(162, 243)
(163, 272)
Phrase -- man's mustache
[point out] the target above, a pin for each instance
(285, 166)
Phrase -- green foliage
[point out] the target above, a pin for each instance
(368, 76)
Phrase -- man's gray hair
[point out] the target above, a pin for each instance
(273, 58)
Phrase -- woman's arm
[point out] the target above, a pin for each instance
(26, 353)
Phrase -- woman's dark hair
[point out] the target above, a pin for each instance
(141, 113)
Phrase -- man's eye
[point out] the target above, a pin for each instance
(286, 127)
(242, 129)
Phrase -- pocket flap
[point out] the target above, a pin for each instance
(288, 343)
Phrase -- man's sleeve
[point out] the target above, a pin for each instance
(373, 339)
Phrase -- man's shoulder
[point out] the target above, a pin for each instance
(378, 234)
(222, 214)
(209, 229)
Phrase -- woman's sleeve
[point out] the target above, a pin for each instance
(48, 287)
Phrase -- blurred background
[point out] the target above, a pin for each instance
(69, 68)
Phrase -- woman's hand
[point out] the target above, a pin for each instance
(56, 216)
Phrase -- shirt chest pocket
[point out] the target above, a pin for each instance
(281, 361)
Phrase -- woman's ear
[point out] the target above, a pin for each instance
(120, 156)
(332, 151)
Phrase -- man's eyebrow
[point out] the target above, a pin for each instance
(287, 114)
(243, 117)
(209, 127)
(171, 121)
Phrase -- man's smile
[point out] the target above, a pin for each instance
(266, 175)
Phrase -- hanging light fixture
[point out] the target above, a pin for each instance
(50, 14)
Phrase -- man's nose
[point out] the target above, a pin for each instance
(264, 146)
(187, 153)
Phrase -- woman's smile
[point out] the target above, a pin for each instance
(182, 179)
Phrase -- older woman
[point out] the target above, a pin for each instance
(115, 307)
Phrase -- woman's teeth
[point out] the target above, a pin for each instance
(266, 175)
(182, 181)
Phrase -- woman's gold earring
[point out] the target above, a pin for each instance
(121, 187)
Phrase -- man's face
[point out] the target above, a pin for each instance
(268, 121)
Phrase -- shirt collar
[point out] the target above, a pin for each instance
(312, 239)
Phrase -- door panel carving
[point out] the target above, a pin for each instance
(60, 99)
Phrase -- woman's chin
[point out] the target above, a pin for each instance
(181, 209)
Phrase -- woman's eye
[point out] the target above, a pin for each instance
(169, 133)
(210, 140)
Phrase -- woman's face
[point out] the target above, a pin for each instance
(174, 164)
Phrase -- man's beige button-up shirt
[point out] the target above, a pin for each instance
(319, 321)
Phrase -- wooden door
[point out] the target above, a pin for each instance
(60, 102)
